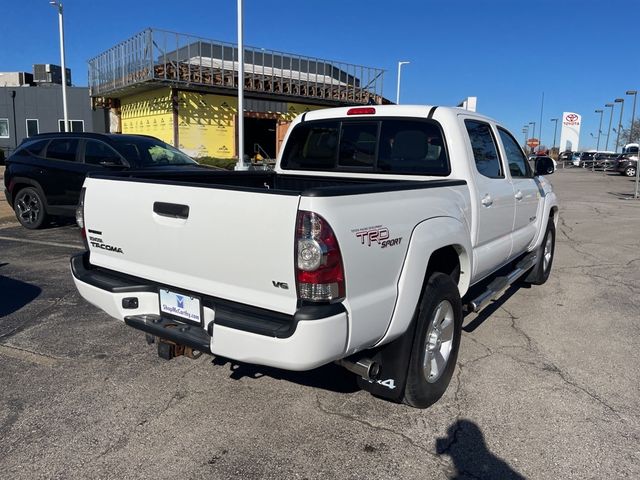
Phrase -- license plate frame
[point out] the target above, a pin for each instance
(181, 306)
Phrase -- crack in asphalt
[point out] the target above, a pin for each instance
(174, 400)
(33, 318)
(435, 455)
(549, 366)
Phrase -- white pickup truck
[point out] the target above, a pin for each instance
(378, 228)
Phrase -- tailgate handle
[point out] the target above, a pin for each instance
(173, 210)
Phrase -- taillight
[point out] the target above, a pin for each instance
(319, 270)
(80, 218)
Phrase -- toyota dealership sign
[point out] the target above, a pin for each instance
(570, 134)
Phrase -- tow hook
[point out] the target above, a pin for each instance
(168, 349)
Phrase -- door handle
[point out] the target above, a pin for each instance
(173, 210)
(487, 201)
(519, 195)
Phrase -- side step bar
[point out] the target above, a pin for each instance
(500, 284)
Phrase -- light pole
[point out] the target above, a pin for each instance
(633, 118)
(533, 132)
(555, 131)
(58, 5)
(633, 112)
(599, 129)
(240, 165)
(525, 130)
(621, 102)
(611, 106)
(398, 90)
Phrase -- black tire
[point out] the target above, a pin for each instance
(540, 273)
(422, 388)
(630, 171)
(29, 208)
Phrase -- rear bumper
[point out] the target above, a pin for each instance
(312, 337)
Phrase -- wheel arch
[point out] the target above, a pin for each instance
(441, 244)
(19, 183)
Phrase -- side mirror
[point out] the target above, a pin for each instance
(544, 166)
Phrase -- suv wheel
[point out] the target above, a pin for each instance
(29, 208)
(630, 171)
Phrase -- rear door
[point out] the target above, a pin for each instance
(525, 192)
(63, 175)
(227, 243)
(494, 199)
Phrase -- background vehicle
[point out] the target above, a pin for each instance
(44, 175)
(604, 160)
(360, 248)
(627, 165)
(586, 159)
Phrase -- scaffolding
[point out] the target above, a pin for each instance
(184, 61)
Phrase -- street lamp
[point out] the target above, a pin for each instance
(633, 118)
(58, 5)
(599, 129)
(533, 132)
(525, 131)
(240, 165)
(555, 131)
(621, 102)
(611, 106)
(398, 91)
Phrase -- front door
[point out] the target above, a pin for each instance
(525, 192)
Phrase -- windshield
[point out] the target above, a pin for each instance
(150, 152)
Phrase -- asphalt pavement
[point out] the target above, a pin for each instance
(546, 384)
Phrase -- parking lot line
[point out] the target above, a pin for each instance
(41, 242)
(28, 356)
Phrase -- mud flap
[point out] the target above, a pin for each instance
(393, 359)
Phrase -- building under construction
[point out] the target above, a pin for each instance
(183, 90)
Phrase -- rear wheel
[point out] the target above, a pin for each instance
(29, 208)
(436, 343)
(630, 171)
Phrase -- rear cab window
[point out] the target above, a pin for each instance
(485, 152)
(388, 145)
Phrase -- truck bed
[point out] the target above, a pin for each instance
(278, 184)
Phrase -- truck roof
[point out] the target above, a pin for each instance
(386, 111)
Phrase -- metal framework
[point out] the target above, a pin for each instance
(185, 61)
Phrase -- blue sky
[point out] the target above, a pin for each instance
(580, 53)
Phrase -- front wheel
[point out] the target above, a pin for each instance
(436, 343)
(540, 272)
(630, 171)
(29, 208)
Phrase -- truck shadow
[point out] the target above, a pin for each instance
(466, 446)
(492, 308)
(329, 377)
(15, 294)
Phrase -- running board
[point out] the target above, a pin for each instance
(500, 284)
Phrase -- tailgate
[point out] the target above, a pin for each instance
(235, 245)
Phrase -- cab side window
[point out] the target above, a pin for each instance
(484, 149)
(518, 165)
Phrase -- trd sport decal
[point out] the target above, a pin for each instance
(376, 236)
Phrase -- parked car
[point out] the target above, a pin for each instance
(358, 249)
(575, 159)
(586, 159)
(627, 165)
(44, 175)
(604, 160)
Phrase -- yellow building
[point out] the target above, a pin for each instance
(187, 95)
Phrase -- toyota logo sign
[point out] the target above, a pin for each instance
(572, 117)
